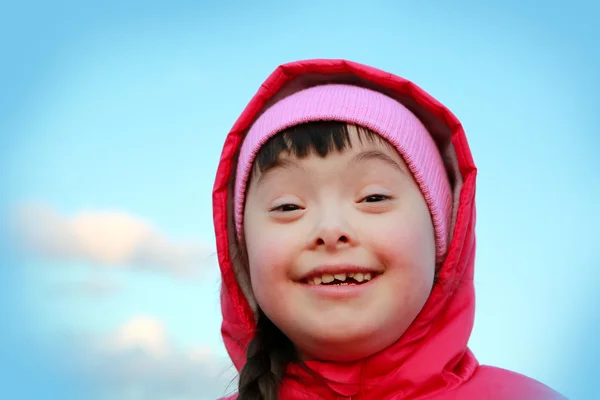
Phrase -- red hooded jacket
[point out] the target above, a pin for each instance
(431, 360)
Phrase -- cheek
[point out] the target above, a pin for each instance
(269, 258)
(268, 250)
(406, 238)
(406, 242)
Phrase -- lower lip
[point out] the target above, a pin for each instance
(341, 291)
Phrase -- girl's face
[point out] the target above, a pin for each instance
(356, 216)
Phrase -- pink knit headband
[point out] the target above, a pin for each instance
(370, 109)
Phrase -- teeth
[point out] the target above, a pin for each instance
(340, 277)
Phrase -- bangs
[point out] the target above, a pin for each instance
(316, 138)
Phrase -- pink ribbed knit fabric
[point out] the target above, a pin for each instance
(370, 109)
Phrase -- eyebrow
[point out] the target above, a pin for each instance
(376, 155)
(279, 164)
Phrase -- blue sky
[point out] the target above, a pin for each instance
(123, 109)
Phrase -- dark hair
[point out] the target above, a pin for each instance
(319, 137)
(270, 351)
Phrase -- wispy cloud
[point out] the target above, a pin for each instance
(139, 361)
(105, 238)
(90, 288)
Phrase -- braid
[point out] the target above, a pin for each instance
(268, 355)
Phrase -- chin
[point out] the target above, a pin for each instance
(344, 345)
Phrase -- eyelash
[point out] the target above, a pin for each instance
(381, 197)
(282, 207)
(286, 207)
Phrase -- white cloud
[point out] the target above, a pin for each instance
(144, 333)
(105, 238)
(139, 361)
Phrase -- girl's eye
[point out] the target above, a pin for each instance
(286, 208)
(375, 198)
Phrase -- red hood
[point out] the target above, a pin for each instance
(432, 356)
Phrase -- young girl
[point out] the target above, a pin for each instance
(344, 215)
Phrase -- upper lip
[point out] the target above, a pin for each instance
(338, 269)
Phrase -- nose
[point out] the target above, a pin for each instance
(332, 233)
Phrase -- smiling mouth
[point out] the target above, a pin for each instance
(342, 279)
